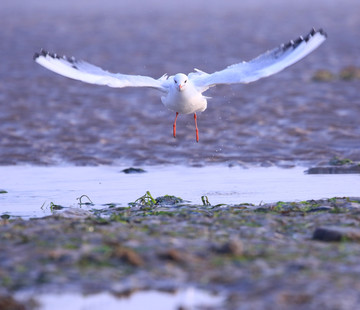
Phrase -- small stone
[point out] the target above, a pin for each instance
(168, 200)
(129, 256)
(335, 233)
(233, 247)
(132, 170)
(174, 255)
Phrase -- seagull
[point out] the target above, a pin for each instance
(181, 93)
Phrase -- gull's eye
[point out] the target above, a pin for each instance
(185, 81)
(175, 81)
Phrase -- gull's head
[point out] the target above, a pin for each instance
(180, 81)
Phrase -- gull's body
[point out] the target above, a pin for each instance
(182, 93)
(186, 100)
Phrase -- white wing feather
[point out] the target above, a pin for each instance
(264, 65)
(88, 73)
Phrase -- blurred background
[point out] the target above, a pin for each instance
(299, 116)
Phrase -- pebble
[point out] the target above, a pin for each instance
(233, 247)
(129, 256)
(132, 170)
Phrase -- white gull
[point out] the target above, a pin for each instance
(182, 93)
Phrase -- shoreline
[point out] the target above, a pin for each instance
(30, 191)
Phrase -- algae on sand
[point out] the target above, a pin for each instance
(225, 248)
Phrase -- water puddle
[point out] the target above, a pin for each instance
(31, 191)
(189, 298)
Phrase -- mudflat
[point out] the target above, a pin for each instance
(48, 119)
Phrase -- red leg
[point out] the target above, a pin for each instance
(196, 128)
(174, 126)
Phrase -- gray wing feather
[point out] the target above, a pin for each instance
(88, 73)
(264, 65)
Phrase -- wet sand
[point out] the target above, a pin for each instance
(47, 119)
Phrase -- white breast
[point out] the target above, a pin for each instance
(185, 102)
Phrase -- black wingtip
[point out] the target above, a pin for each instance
(45, 53)
(313, 32)
(295, 43)
(321, 31)
(36, 55)
(41, 53)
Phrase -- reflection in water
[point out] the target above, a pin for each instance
(189, 298)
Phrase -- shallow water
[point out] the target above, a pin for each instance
(31, 190)
(48, 119)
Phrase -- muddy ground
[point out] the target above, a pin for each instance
(301, 255)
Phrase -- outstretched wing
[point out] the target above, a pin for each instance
(264, 65)
(88, 73)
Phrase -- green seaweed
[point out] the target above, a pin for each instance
(54, 207)
(119, 218)
(337, 161)
(146, 200)
(205, 201)
(85, 203)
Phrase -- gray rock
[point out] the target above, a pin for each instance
(334, 170)
(133, 170)
(336, 233)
